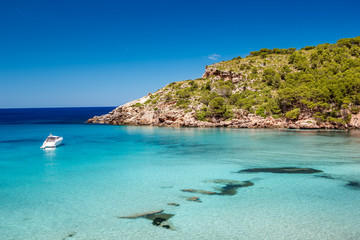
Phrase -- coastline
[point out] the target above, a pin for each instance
(166, 116)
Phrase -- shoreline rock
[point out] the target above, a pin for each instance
(167, 115)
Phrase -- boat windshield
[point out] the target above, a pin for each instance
(51, 139)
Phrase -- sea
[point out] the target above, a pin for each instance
(81, 189)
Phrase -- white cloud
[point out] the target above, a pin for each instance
(214, 56)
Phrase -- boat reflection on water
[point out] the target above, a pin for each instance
(50, 152)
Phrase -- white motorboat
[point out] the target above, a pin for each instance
(52, 141)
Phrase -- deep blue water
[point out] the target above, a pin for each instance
(50, 115)
(102, 172)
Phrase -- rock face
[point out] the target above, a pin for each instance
(234, 77)
(168, 114)
(355, 121)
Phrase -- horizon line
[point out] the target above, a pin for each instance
(53, 107)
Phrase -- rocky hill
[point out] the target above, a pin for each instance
(314, 87)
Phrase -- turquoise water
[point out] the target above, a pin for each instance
(101, 172)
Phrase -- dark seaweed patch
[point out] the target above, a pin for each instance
(231, 189)
(326, 176)
(352, 184)
(199, 191)
(289, 170)
(160, 220)
(355, 185)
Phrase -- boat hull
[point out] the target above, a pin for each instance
(52, 144)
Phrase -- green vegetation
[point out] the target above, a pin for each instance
(320, 81)
(293, 114)
(137, 105)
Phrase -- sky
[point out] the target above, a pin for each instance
(79, 53)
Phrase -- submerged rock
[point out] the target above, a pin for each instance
(69, 235)
(199, 191)
(352, 184)
(231, 186)
(226, 181)
(145, 214)
(231, 189)
(160, 220)
(290, 170)
(194, 199)
(173, 204)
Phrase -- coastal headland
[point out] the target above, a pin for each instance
(316, 87)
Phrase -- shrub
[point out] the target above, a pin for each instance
(254, 70)
(201, 115)
(260, 112)
(227, 114)
(354, 110)
(193, 85)
(336, 120)
(207, 86)
(217, 107)
(271, 77)
(183, 103)
(207, 96)
(293, 114)
(308, 48)
(236, 100)
(137, 105)
(168, 97)
(155, 100)
(183, 93)
(224, 91)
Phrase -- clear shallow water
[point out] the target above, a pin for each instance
(102, 172)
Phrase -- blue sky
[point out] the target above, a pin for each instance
(106, 52)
